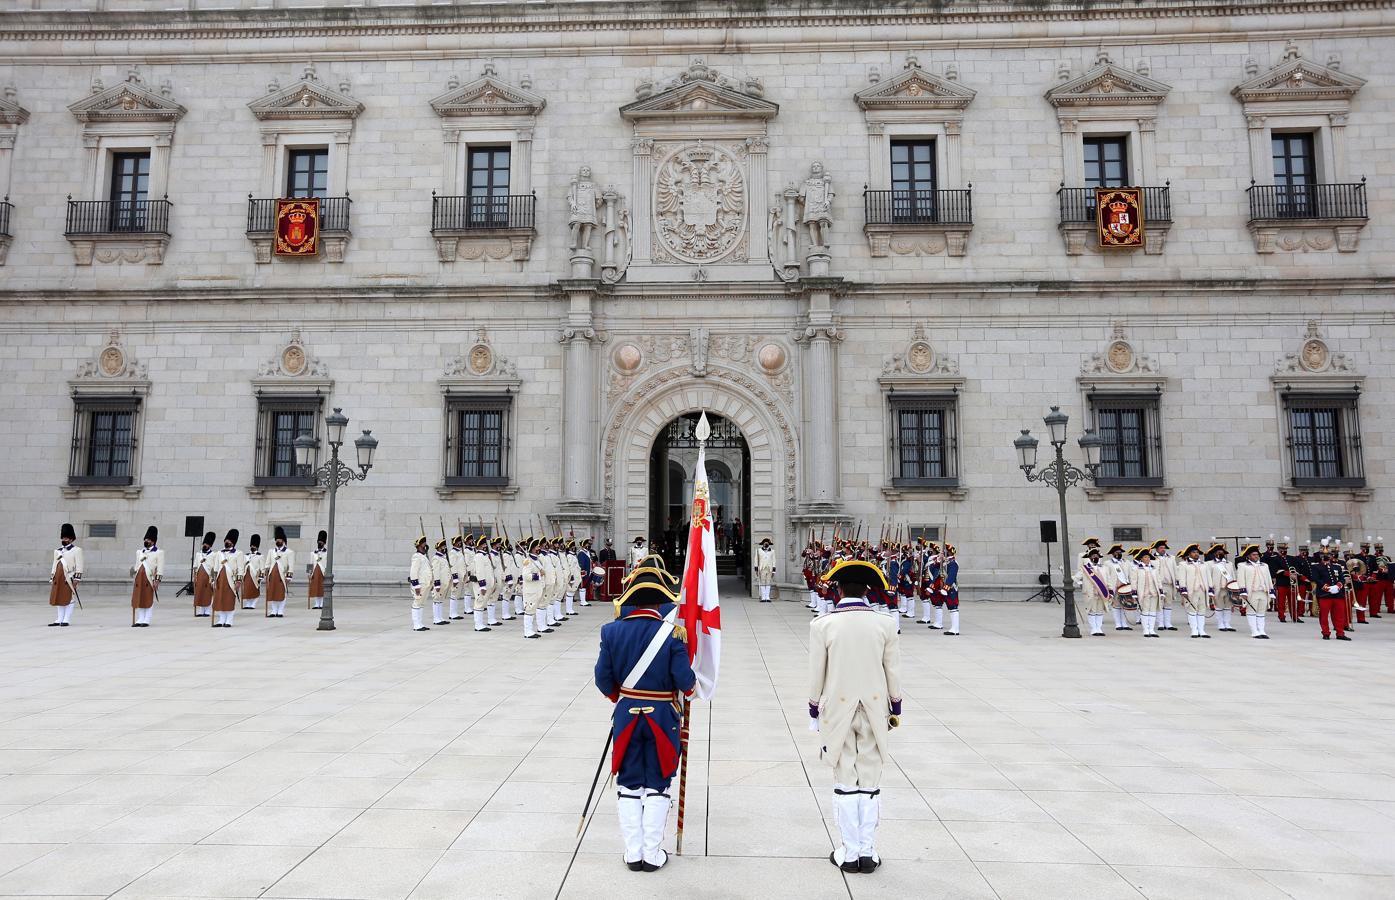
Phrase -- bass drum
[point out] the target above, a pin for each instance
(1127, 596)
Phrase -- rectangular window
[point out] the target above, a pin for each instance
(280, 420)
(913, 180)
(1132, 451)
(1294, 173)
(307, 172)
(929, 532)
(1324, 439)
(487, 187)
(924, 441)
(104, 442)
(1127, 534)
(1316, 533)
(477, 441)
(1106, 162)
(130, 188)
(101, 529)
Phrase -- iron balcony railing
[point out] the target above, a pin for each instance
(954, 207)
(1078, 204)
(334, 214)
(6, 207)
(119, 217)
(475, 213)
(1307, 201)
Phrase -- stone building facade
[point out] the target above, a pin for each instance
(863, 236)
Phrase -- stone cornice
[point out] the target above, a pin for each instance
(515, 18)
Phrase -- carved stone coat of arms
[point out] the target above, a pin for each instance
(699, 204)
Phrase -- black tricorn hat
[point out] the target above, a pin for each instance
(647, 588)
(256, 541)
(210, 538)
(857, 571)
(280, 534)
(232, 535)
(67, 532)
(324, 536)
(152, 533)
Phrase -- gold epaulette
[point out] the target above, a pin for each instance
(681, 633)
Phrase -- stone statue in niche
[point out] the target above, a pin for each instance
(582, 202)
(816, 194)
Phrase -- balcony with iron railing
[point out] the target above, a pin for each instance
(498, 226)
(121, 217)
(333, 235)
(261, 214)
(1281, 202)
(1307, 216)
(118, 231)
(1077, 220)
(1077, 205)
(918, 221)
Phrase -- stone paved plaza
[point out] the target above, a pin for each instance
(275, 761)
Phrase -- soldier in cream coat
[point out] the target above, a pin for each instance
(573, 566)
(1118, 573)
(1166, 565)
(1221, 573)
(765, 569)
(459, 575)
(486, 583)
(229, 569)
(512, 606)
(315, 590)
(420, 579)
(534, 583)
(149, 568)
(64, 575)
(1148, 581)
(203, 577)
(1194, 589)
(1256, 587)
(440, 583)
(508, 582)
(552, 591)
(854, 701)
(1092, 586)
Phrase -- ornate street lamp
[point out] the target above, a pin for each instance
(1060, 474)
(332, 475)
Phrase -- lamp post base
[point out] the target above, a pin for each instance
(1070, 631)
(327, 624)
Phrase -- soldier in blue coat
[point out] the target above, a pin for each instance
(643, 669)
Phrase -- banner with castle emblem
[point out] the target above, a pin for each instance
(1119, 217)
(298, 227)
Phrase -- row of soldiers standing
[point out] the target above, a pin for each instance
(1148, 582)
(921, 571)
(223, 579)
(541, 580)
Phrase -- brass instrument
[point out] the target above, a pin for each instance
(1356, 571)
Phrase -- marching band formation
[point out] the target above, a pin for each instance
(1143, 585)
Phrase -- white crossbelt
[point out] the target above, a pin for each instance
(655, 644)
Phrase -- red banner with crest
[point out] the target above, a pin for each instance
(298, 227)
(1119, 217)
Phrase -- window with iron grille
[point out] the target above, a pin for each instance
(1324, 440)
(101, 529)
(913, 180)
(1106, 161)
(477, 441)
(929, 532)
(280, 420)
(1295, 172)
(925, 441)
(307, 172)
(1131, 455)
(487, 187)
(104, 441)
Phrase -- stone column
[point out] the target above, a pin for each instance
(757, 150)
(1335, 146)
(1074, 153)
(579, 416)
(269, 186)
(523, 173)
(450, 162)
(643, 189)
(820, 397)
(1147, 163)
(160, 166)
(1261, 165)
(954, 154)
(879, 169)
(92, 144)
(339, 177)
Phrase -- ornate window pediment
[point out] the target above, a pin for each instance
(917, 90)
(1298, 79)
(11, 113)
(1107, 84)
(701, 93)
(487, 96)
(129, 101)
(308, 98)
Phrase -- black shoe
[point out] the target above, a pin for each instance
(1327, 637)
(54, 624)
(457, 619)
(851, 865)
(545, 631)
(134, 625)
(485, 628)
(64, 624)
(1169, 628)
(1262, 637)
(867, 865)
(1127, 628)
(1343, 637)
(1157, 635)
(637, 866)
(422, 628)
(1298, 621)
(530, 637)
(1207, 636)
(1376, 616)
(951, 634)
(936, 627)
(1195, 636)
(440, 623)
(647, 866)
(143, 625)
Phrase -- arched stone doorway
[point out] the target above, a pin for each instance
(672, 480)
(636, 419)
